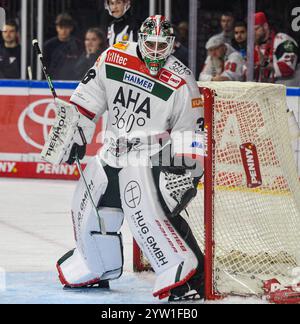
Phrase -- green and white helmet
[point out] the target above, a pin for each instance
(156, 42)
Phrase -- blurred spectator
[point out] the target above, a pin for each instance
(275, 54)
(62, 52)
(239, 41)
(183, 33)
(95, 45)
(223, 63)
(227, 24)
(123, 26)
(180, 51)
(10, 52)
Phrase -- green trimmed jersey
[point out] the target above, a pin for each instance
(139, 108)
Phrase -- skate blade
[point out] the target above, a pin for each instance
(100, 285)
(190, 296)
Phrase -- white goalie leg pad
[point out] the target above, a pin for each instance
(169, 255)
(102, 258)
(96, 257)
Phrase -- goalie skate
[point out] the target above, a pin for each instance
(190, 291)
(190, 295)
(104, 284)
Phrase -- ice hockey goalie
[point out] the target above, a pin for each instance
(147, 171)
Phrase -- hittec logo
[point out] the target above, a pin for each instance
(2, 18)
(116, 58)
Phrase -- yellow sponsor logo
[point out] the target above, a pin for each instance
(197, 103)
(121, 45)
(125, 38)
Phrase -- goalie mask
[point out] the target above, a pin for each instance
(117, 8)
(156, 42)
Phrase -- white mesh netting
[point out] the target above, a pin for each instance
(256, 227)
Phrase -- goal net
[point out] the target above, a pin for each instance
(246, 216)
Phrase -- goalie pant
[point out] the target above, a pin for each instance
(132, 190)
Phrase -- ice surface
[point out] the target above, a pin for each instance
(35, 231)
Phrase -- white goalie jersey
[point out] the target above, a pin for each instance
(140, 107)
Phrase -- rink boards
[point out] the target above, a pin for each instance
(26, 115)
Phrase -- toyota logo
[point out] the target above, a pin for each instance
(132, 194)
(42, 119)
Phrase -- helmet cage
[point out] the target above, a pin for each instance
(155, 47)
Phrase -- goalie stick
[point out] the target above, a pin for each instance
(36, 46)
